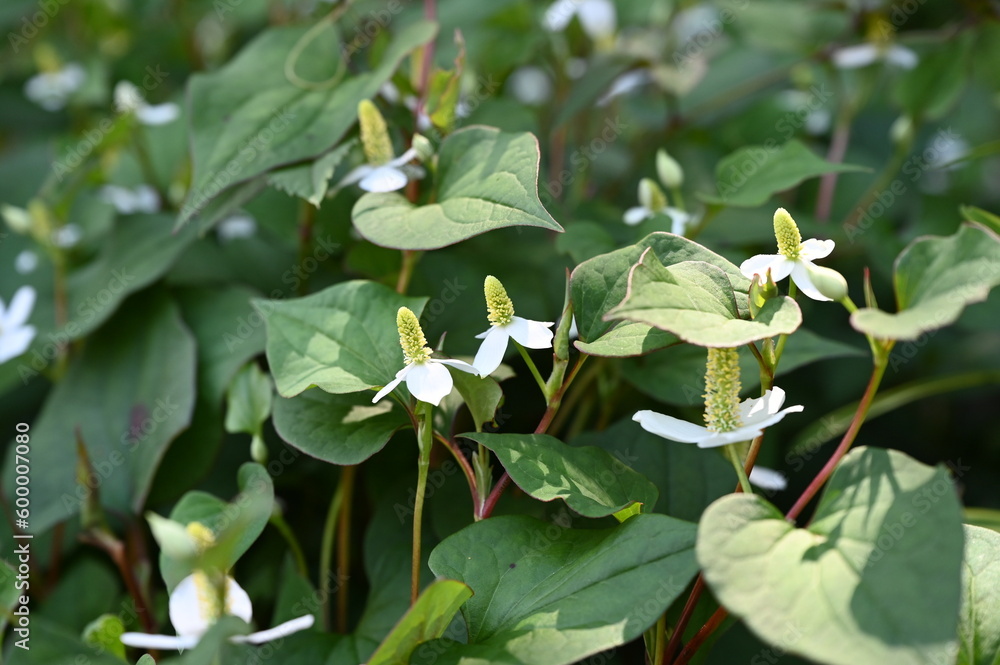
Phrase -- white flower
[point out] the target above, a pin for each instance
(530, 85)
(768, 479)
(142, 198)
(755, 415)
(862, 55)
(15, 336)
(597, 17)
(505, 326)
(236, 226)
(128, 98)
(653, 201)
(67, 236)
(192, 617)
(51, 90)
(387, 177)
(527, 333)
(795, 257)
(781, 266)
(26, 262)
(625, 84)
(426, 378)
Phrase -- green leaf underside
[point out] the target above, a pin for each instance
(601, 283)
(627, 339)
(238, 523)
(310, 181)
(128, 408)
(550, 595)
(979, 621)
(749, 176)
(488, 180)
(342, 339)
(591, 481)
(695, 301)
(340, 429)
(935, 278)
(252, 118)
(875, 578)
(426, 620)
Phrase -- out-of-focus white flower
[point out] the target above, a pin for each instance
(236, 226)
(768, 479)
(814, 119)
(530, 85)
(129, 99)
(15, 334)
(693, 21)
(192, 614)
(624, 84)
(67, 236)
(26, 262)
(653, 201)
(597, 17)
(128, 201)
(51, 90)
(576, 67)
(862, 55)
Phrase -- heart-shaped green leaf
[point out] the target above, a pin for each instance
(749, 176)
(874, 579)
(252, 117)
(695, 301)
(935, 278)
(426, 620)
(979, 622)
(592, 482)
(549, 595)
(487, 179)
(342, 339)
(240, 521)
(340, 429)
(599, 284)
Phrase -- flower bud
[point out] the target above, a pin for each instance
(18, 219)
(176, 541)
(761, 290)
(423, 146)
(901, 131)
(651, 197)
(827, 281)
(670, 172)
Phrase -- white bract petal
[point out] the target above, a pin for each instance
(813, 249)
(382, 179)
(429, 381)
(491, 351)
(67, 236)
(26, 262)
(559, 14)
(389, 387)
(530, 85)
(189, 616)
(598, 18)
(768, 479)
(530, 334)
(158, 114)
(755, 415)
(51, 90)
(635, 215)
(236, 226)
(801, 278)
(678, 220)
(127, 97)
(853, 57)
(760, 264)
(901, 56)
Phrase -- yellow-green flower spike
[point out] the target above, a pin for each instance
(498, 305)
(374, 134)
(201, 534)
(786, 232)
(722, 390)
(411, 337)
(211, 597)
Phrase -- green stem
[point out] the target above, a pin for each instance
(678, 198)
(659, 639)
(410, 258)
(326, 548)
(737, 463)
(534, 371)
(344, 547)
(425, 439)
(279, 523)
(792, 292)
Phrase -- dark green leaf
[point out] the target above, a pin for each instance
(426, 620)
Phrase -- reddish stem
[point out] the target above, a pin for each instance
(703, 633)
(685, 619)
